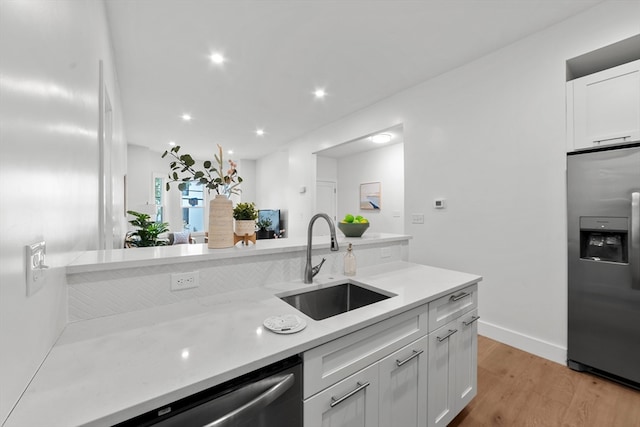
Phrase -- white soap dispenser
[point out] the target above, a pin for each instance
(349, 262)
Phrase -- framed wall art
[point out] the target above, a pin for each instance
(370, 196)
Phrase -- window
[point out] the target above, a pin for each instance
(158, 197)
(193, 207)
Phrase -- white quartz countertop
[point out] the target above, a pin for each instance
(106, 370)
(92, 261)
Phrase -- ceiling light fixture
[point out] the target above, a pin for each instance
(320, 93)
(172, 143)
(260, 132)
(217, 58)
(186, 117)
(230, 152)
(381, 138)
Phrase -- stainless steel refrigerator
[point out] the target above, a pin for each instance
(603, 206)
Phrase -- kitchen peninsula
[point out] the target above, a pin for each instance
(133, 345)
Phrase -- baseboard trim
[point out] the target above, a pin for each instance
(532, 345)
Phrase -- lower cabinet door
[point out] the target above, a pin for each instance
(466, 384)
(403, 386)
(442, 398)
(352, 402)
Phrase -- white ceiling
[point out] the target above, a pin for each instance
(280, 51)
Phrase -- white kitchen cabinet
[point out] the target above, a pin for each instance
(352, 402)
(604, 108)
(403, 386)
(452, 372)
(415, 369)
(466, 360)
(392, 391)
(329, 363)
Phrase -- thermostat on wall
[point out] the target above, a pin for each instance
(438, 203)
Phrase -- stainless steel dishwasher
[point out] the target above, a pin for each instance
(268, 397)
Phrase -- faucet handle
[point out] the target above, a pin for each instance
(315, 270)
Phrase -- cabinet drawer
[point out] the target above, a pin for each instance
(331, 362)
(450, 306)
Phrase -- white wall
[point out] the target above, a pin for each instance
(144, 164)
(384, 165)
(272, 185)
(326, 169)
(489, 137)
(50, 52)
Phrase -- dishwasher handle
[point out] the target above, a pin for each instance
(255, 405)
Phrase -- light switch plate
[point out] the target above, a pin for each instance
(36, 268)
(417, 218)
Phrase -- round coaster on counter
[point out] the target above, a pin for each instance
(285, 324)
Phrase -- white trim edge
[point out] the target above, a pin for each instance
(533, 345)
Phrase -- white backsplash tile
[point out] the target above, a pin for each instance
(105, 293)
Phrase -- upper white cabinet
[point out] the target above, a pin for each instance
(604, 108)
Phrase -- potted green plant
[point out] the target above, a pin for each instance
(263, 228)
(245, 215)
(148, 231)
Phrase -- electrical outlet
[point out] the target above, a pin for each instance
(180, 281)
(385, 252)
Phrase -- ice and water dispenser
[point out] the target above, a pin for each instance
(604, 239)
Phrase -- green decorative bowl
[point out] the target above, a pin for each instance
(353, 229)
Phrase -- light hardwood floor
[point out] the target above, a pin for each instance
(519, 389)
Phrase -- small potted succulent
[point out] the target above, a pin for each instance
(263, 229)
(245, 215)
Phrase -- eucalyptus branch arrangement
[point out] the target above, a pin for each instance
(183, 171)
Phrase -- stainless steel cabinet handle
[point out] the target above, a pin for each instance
(634, 261)
(413, 356)
(256, 405)
(336, 401)
(623, 138)
(459, 296)
(451, 332)
(473, 319)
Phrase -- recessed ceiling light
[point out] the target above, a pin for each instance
(230, 152)
(260, 132)
(381, 138)
(217, 58)
(319, 93)
(172, 143)
(186, 117)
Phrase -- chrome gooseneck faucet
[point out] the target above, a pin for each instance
(309, 271)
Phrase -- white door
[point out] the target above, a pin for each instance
(441, 376)
(403, 386)
(326, 202)
(466, 384)
(352, 402)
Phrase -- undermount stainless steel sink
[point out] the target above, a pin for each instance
(326, 302)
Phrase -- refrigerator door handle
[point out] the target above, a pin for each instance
(634, 261)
